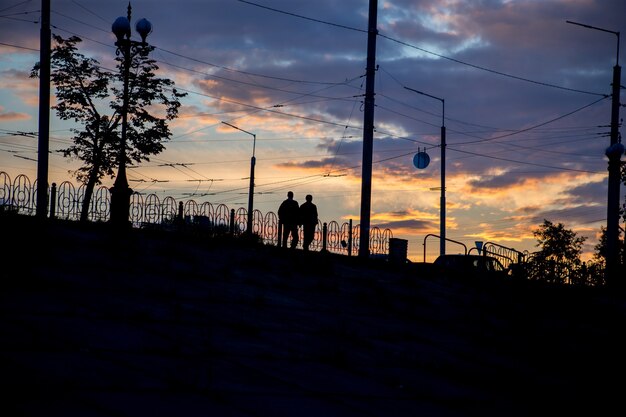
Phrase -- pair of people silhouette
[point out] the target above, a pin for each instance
(292, 215)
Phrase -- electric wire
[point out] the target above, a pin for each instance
(523, 162)
(496, 73)
(482, 68)
(19, 47)
(303, 17)
(480, 140)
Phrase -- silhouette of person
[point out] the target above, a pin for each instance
(308, 218)
(288, 215)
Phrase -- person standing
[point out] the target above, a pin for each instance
(308, 217)
(288, 215)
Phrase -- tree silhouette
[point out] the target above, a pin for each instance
(85, 93)
(558, 260)
(599, 255)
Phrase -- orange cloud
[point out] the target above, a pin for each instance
(408, 222)
(512, 193)
(24, 87)
(12, 116)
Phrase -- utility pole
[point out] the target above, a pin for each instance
(368, 132)
(44, 112)
(614, 153)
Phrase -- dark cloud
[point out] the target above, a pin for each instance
(593, 191)
(412, 224)
(572, 215)
(393, 156)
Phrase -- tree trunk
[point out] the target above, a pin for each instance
(91, 184)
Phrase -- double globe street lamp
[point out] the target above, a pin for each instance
(121, 192)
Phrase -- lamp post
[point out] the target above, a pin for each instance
(251, 191)
(614, 153)
(442, 203)
(120, 192)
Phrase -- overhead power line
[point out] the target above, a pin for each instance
(15, 5)
(458, 61)
(19, 47)
(535, 126)
(291, 80)
(343, 125)
(523, 162)
(515, 77)
(328, 85)
(303, 17)
(271, 110)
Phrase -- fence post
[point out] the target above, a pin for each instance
(180, 212)
(324, 237)
(232, 222)
(350, 238)
(53, 200)
(280, 234)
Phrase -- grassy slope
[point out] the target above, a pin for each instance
(96, 322)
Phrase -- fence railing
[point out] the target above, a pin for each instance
(65, 202)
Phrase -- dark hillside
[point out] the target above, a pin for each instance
(150, 323)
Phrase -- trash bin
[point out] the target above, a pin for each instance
(398, 250)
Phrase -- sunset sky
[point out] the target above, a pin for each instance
(527, 107)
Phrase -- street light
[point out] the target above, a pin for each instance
(614, 153)
(442, 203)
(251, 191)
(120, 192)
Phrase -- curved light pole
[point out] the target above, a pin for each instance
(251, 191)
(442, 203)
(120, 192)
(614, 153)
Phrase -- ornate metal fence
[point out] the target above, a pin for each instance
(149, 210)
(507, 256)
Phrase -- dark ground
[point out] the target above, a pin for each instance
(170, 324)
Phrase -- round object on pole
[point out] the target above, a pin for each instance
(421, 160)
(615, 151)
(121, 28)
(144, 28)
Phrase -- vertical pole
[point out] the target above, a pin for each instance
(44, 111)
(368, 132)
(250, 219)
(53, 200)
(614, 153)
(350, 238)
(232, 222)
(120, 192)
(251, 196)
(442, 203)
(180, 212)
(324, 237)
